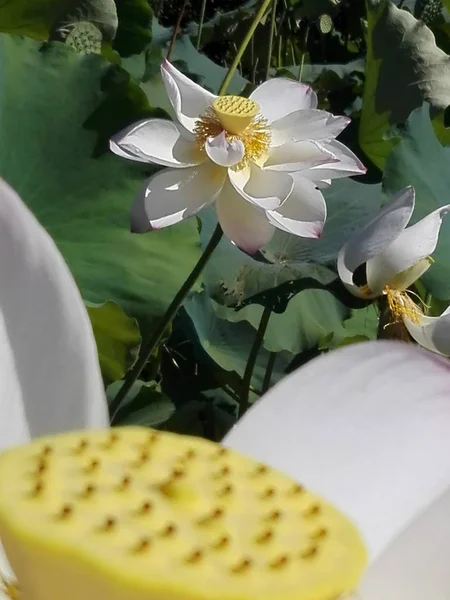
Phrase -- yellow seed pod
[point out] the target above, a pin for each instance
(235, 113)
(134, 514)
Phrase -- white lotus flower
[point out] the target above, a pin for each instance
(433, 333)
(367, 428)
(394, 256)
(261, 159)
(49, 375)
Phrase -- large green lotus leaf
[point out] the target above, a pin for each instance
(231, 276)
(46, 94)
(117, 338)
(404, 68)
(145, 405)
(36, 18)
(420, 160)
(229, 344)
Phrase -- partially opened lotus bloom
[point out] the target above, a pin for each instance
(386, 257)
(261, 159)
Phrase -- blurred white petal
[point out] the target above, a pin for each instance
(433, 333)
(366, 427)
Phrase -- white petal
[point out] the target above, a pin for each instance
(265, 188)
(366, 427)
(345, 164)
(49, 374)
(279, 97)
(307, 125)
(299, 156)
(188, 99)
(223, 152)
(172, 195)
(156, 141)
(415, 566)
(243, 223)
(303, 213)
(412, 245)
(433, 333)
(375, 237)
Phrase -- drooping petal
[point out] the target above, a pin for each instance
(172, 195)
(156, 141)
(223, 152)
(265, 188)
(303, 213)
(188, 99)
(415, 566)
(433, 333)
(411, 246)
(49, 374)
(306, 125)
(375, 237)
(279, 97)
(366, 427)
(299, 156)
(345, 164)
(243, 223)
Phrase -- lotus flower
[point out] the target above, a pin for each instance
(433, 333)
(49, 375)
(393, 256)
(260, 159)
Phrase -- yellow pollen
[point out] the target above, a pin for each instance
(401, 305)
(241, 120)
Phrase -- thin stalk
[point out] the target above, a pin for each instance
(271, 36)
(302, 62)
(245, 42)
(152, 343)
(251, 362)
(200, 24)
(269, 370)
(176, 30)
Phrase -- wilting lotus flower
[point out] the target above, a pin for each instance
(49, 375)
(394, 256)
(261, 159)
(432, 333)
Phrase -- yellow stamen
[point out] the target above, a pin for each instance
(241, 120)
(401, 305)
(9, 588)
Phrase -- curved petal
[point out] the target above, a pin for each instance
(173, 195)
(433, 333)
(265, 188)
(307, 125)
(243, 223)
(223, 152)
(375, 237)
(345, 164)
(156, 141)
(298, 156)
(411, 246)
(188, 99)
(303, 213)
(366, 427)
(49, 374)
(279, 97)
(415, 566)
